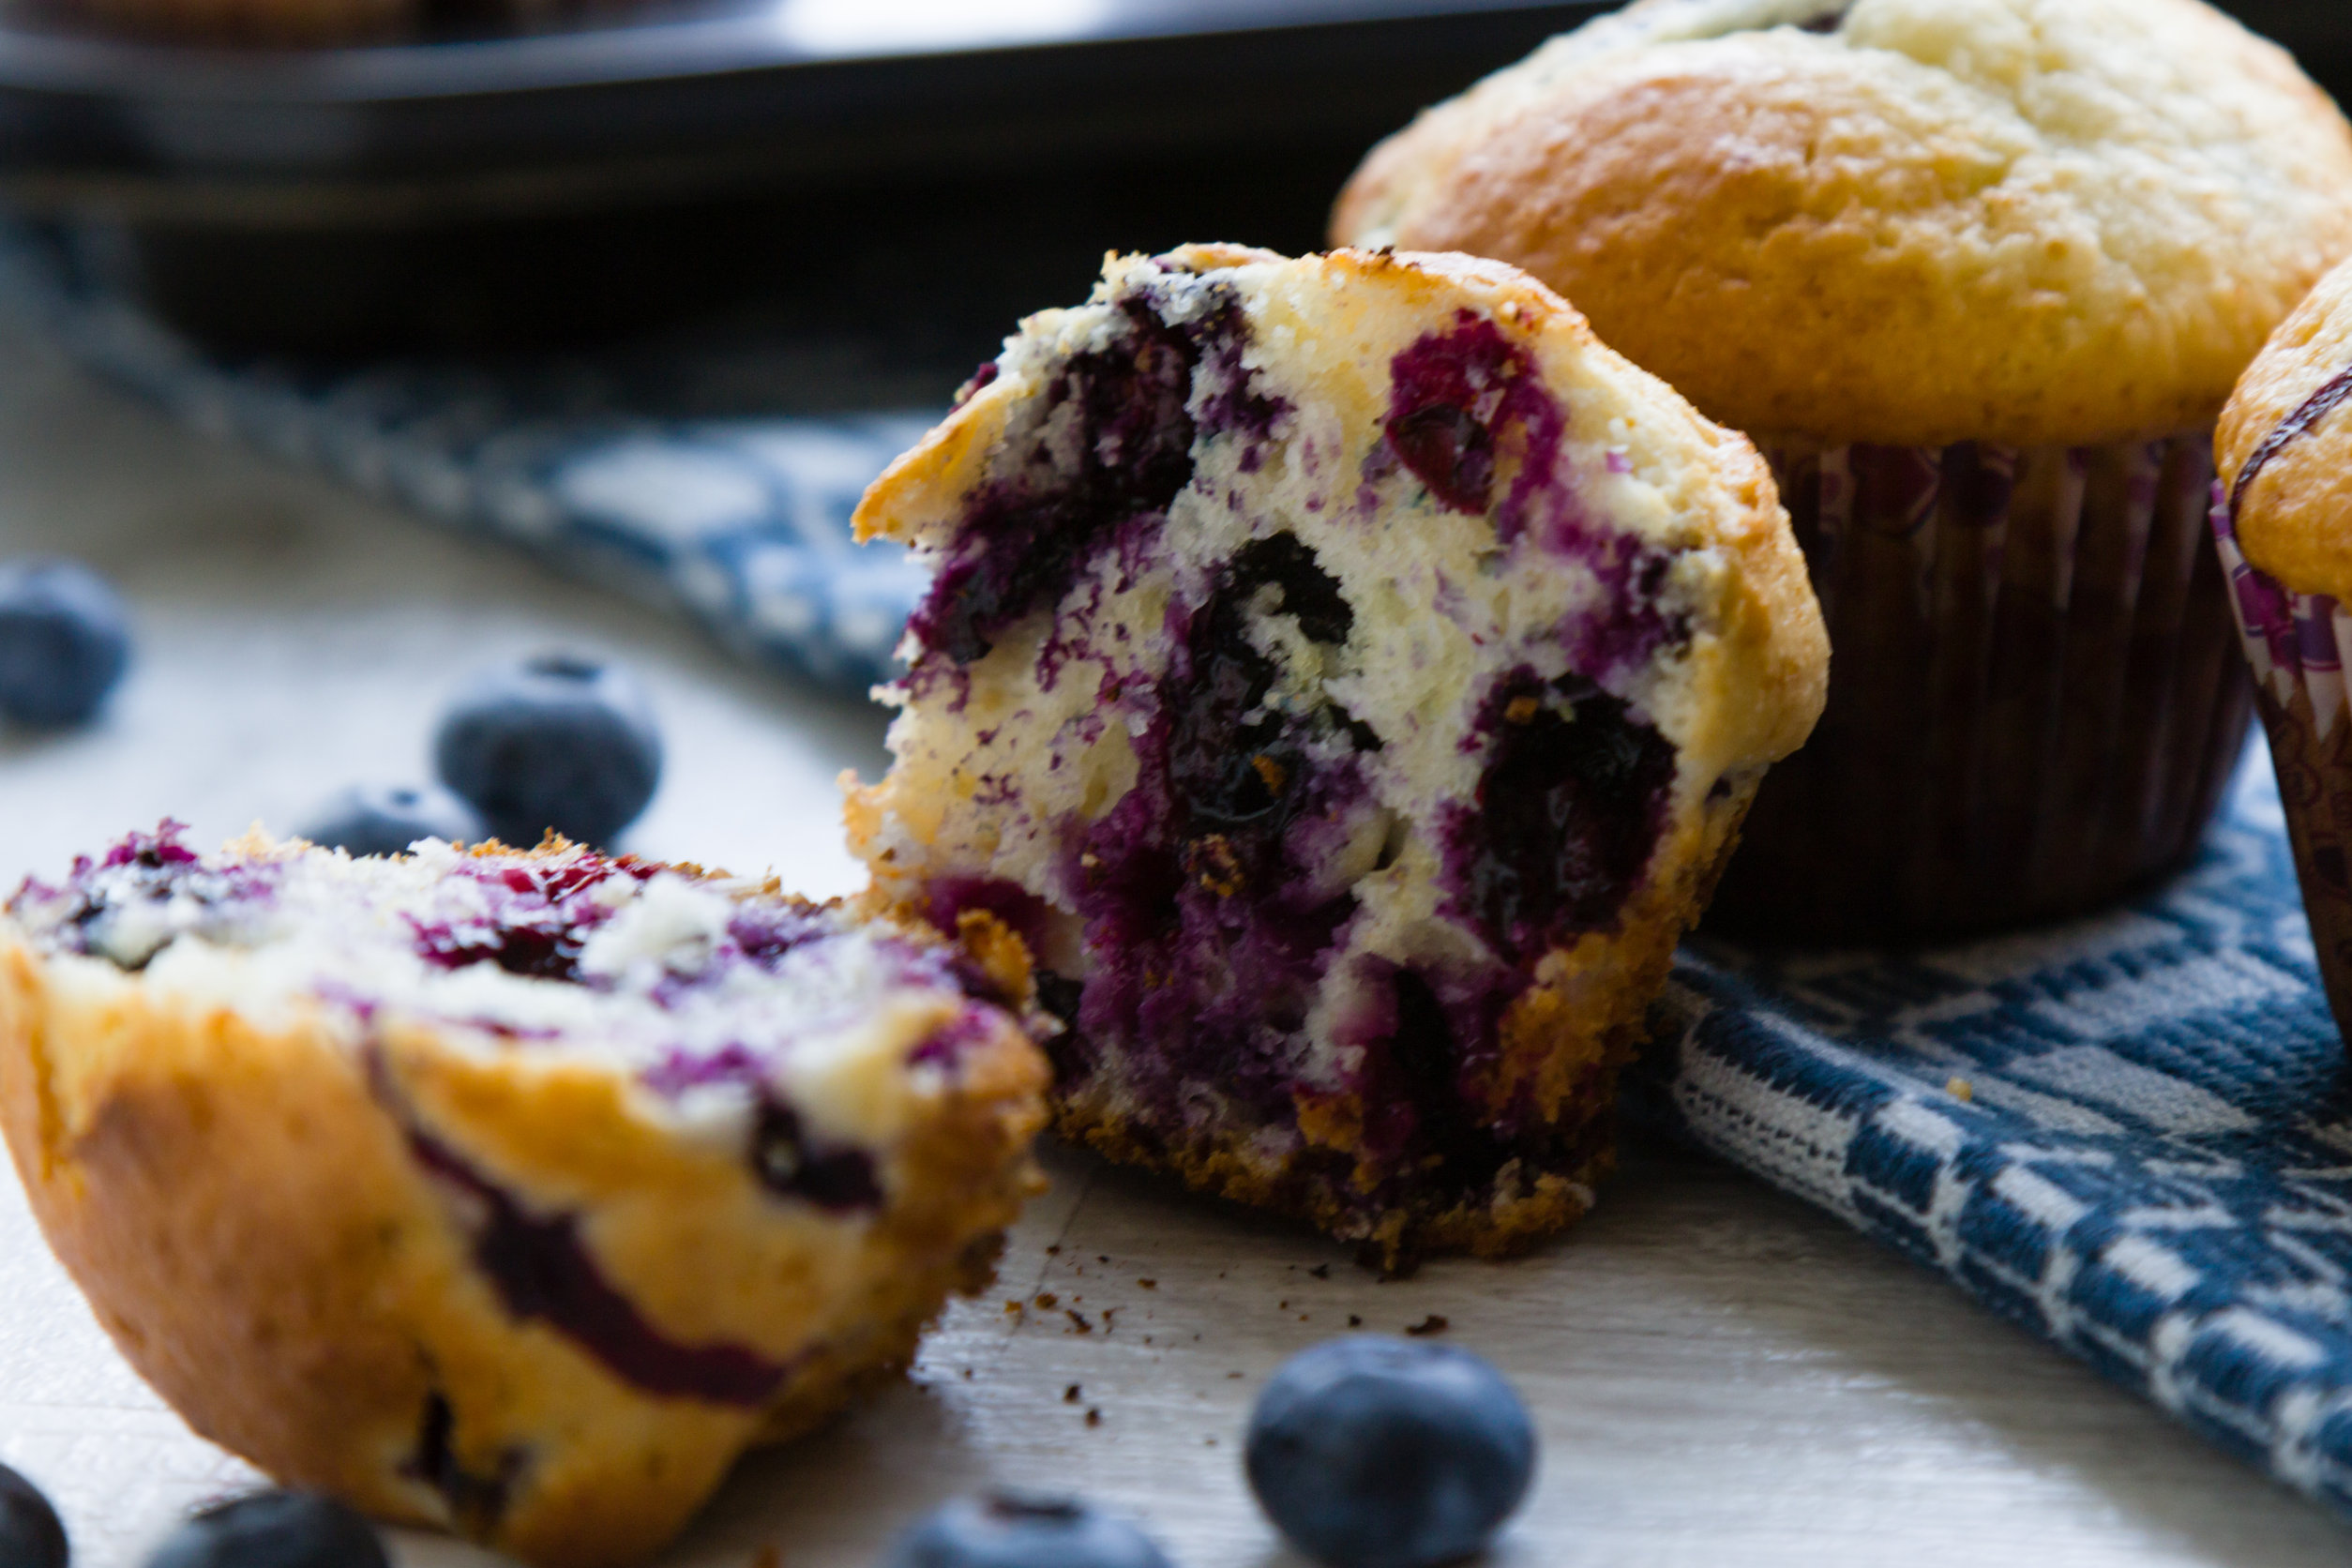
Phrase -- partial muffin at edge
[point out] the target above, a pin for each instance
(2285, 537)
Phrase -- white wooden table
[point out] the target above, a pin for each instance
(1721, 1377)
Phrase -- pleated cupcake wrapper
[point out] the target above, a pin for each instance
(2034, 702)
(2294, 642)
(2298, 646)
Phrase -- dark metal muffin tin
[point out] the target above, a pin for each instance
(476, 189)
(486, 185)
(631, 101)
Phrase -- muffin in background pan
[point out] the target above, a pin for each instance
(1977, 275)
(2283, 520)
(1348, 675)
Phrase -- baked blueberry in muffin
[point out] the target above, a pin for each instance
(1348, 676)
(512, 1194)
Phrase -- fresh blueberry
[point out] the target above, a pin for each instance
(1376, 1453)
(64, 641)
(556, 741)
(30, 1536)
(1008, 1529)
(380, 819)
(273, 1530)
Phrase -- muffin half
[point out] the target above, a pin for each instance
(1348, 676)
(512, 1194)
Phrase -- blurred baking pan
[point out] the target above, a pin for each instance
(657, 99)
(486, 183)
(477, 187)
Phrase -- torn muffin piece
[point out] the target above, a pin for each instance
(1348, 676)
(513, 1193)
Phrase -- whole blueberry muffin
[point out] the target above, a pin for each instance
(1348, 676)
(2283, 523)
(1977, 275)
(510, 1194)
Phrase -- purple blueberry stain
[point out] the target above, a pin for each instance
(1459, 402)
(1449, 449)
(540, 918)
(945, 1046)
(1566, 816)
(538, 952)
(792, 1163)
(476, 1502)
(985, 376)
(1023, 912)
(765, 933)
(1131, 416)
(680, 1070)
(542, 1272)
(1462, 400)
(1635, 618)
(1208, 929)
(151, 851)
(1029, 532)
(1231, 403)
(142, 869)
(1425, 1039)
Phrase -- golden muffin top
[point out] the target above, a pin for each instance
(1908, 221)
(2284, 447)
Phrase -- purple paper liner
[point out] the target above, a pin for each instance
(2034, 702)
(2297, 645)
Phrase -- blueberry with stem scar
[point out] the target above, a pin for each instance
(559, 742)
(1370, 1452)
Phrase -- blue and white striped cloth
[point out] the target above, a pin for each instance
(2131, 1135)
(742, 523)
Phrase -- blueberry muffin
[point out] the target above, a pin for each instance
(1977, 275)
(2285, 529)
(511, 1194)
(1348, 676)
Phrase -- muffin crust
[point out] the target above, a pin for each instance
(2284, 447)
(1899, 221)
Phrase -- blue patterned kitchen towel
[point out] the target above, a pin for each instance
(741, 523)
(2132, 1134)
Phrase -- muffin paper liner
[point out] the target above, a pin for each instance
(2298, 646)
(2033, 700)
